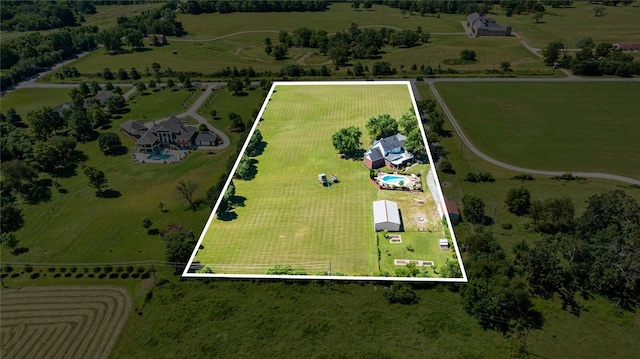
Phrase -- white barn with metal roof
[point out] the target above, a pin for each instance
(386, 215)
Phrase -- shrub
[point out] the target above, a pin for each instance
(140, 269)
(108, 269)
(73, 269)
(97, 270)
(129, 269)
(119, 269)
(401, 293)
(523, 177)
(8, 268)
(28, 268)
(51, 269)
(410, 249)
(479, 177)
(63, 269)
(506, 226)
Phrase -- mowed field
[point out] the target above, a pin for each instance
(62, 322)
(573, 127)
(568, 25)
(288, 217)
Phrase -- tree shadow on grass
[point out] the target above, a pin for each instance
(118, 151)
(109, 193)
(356, 155)
(227, 216)
(238, 201)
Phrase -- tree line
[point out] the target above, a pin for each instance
(197, 7)
(592, 59)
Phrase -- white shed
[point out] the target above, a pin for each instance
(386, 216)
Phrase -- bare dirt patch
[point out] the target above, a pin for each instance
(62, 322)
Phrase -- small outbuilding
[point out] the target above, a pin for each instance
(452, 209)
(444, 245)
(386, 216)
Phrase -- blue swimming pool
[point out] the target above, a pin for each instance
(394, 179)
(159, 157)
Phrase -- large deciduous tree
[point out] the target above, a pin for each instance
(381, 126)
(109, 142)
(347, 140)
(551, 53)
(518, 201)
(186, 189)
(45, 122)
(97, 179)
(473, 209)
(553, 215)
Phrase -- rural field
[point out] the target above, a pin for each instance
(216, 41)
(62, 321)
(287, 217)
(586, 127)
(569, 25)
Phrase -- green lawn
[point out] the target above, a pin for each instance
(27, 100)
(339, 17)
(236, 40)
(77, 226)
(588, 127)
(569, 25)
(288, 218)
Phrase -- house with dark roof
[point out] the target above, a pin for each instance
(103, 96)
(171, 133)
(388, 152)
(205, 138)
(486, 26)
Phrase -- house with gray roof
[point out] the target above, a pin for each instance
(388, 152)
(103, 96)
(486, 26)
(171, 133)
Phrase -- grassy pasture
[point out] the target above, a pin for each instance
(589, 127)
(236, 40)
(339, 17)
(568, 25)
(288, 217)
(27, 100)
(106, 16)
(77, 226)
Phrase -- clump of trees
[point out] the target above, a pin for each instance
(347, 141)
(592, 59)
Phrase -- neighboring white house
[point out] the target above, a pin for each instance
(386, 215)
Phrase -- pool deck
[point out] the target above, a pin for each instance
(410, 183)
(175, 156)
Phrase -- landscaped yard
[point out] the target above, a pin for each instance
(76, 226)
(588, 127)
(286, 216)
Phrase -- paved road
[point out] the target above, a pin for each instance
(480, 154)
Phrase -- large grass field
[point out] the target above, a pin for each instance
(216, 41)
(76, 226)
(586, 127)
(571, 24)
(27, 100)
(287, 216)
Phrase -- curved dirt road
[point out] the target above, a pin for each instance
(480, 154)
